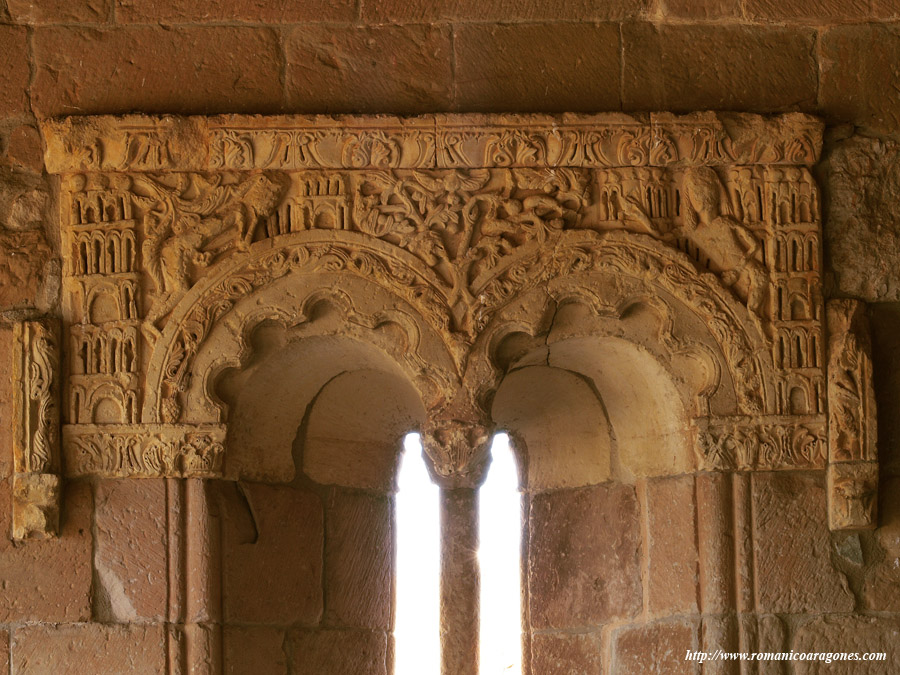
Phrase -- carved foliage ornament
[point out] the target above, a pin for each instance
(170, 224)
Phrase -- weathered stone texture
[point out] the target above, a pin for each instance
(862, 181)
(698, 67)
(24, 149)
(397, 69)
(881, 590)
(547, 67)
(339, 651)
(273, 547)
(809, 12)
(566, 653)
(794, 572)
(113, 71)
(701, 9)
(583, 566)
(14, 70)
(4, 651)
(59, 11)
(672, 546)
(506, 11)
(48, 580)
(89, 648)
(860, 73)
(251, 651)
(358, 561)
(130, 556)
(849, 634)
(23, 260)
(655, 649)
(257, 11)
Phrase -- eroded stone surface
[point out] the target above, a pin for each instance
(656, 648)
(862, 181)
(672, 541)
(358, 561)
(849, 634)
(249, 651)
(131, 552)
(340, 651)
(565, 653)
(794, 572)
(273, 548)
(49, 580)
(576, 538)
(95, 648)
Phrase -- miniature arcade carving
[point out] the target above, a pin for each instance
(181, 235)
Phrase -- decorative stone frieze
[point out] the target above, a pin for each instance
(36, 484)
(852, 453)
(456, 235)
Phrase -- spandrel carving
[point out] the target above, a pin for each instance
(174, 228)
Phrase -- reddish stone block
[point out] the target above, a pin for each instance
(672, 538)
(584, 566)
(130, 556)
(423, 11)
(4, 651)
(858, 65)
(358, 556)
(218, 69)
(703, 10)
(654, 649)
(59, 11)
(89, 648)
(273, 550)
(565, 653)
(794, 572)
(7, 395)
(811, 12)
(720, 67)
(269, 11)
(24, 148)
(48, 580)
(23, 256)
(849, 634)
(538, 67)
(250, 651)
(339, 651)
(15, 72)
(399, 69)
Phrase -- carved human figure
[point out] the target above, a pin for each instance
(730, 248)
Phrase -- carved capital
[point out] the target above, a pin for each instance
(459, 452)
(36, 447)
(852, 495)
(771, 442)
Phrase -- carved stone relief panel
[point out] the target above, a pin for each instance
(852, 455)
(180, 235)
(36, 481)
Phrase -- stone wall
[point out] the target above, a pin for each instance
(100, 598)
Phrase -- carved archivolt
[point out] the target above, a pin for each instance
(181, 234)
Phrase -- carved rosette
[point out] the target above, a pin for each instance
(852, 434)
(36, 487)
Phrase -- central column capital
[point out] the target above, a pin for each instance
(458, 451)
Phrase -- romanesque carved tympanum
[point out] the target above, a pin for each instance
(182, 234)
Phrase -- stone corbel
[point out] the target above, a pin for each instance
(458, 450)
(852, 451)
(36, 447)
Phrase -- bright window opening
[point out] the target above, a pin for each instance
(417, 622)
(417, 642)
(499, 555)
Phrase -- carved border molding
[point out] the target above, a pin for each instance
(235, 142)
(171, 225)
